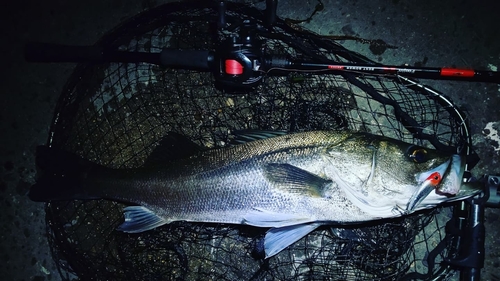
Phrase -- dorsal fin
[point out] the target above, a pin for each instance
(171, 147)
(244, 136)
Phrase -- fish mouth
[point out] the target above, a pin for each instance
(431, 180)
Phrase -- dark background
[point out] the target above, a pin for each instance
(427, 33)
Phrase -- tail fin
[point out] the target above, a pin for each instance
(60, 176)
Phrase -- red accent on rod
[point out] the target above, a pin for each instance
(457, 72)
(234, 67)
(336, 67)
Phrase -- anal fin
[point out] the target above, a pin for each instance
(140, 219)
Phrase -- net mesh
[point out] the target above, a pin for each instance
(115, 114)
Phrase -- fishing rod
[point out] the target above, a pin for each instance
(241, 63)
(415, 72)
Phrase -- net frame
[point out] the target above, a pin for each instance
(115, 114)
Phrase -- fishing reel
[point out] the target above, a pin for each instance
(238, 60)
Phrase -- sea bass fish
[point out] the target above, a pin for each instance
(290, 183)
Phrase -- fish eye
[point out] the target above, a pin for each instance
(417, 154)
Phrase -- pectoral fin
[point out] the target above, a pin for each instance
(296, 179)
(277, 239)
